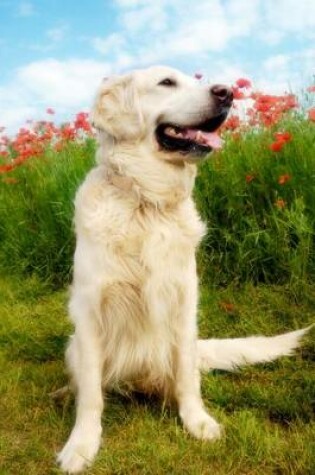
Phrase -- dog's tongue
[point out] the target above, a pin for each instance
(211, 139)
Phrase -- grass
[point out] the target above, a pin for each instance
(259, 228)
(267, 411)
(36, 213)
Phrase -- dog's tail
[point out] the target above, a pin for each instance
(231, 353)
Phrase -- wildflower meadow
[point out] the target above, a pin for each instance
(256, 195)
(256, 267)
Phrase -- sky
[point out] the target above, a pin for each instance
(54, 53)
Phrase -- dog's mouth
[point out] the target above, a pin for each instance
(198, 139)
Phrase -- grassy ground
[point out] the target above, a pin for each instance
(267, 411)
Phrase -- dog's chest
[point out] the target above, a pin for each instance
(144, 234)
(164, 235)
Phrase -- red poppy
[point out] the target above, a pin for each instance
(81, 122)
(237, 94)
(232, 123)
(283, 179)
(277, 146)
(6, 168)
(280, 203)
(249, 178)
(227, 306)
(242, 82)
(283, 136)
(311, 89)
(311, 114)
(50, 111)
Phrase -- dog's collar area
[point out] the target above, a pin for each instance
(130, 188)
(123, 183)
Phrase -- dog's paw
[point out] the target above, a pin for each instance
(202, 426)
(80, 450)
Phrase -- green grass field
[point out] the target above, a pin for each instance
(257, 266)
(267, 411)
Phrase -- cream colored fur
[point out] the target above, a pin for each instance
(134, 294)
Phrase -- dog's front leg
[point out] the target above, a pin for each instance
(85, 364)
(187, 375)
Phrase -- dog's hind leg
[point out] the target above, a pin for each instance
(231, 353)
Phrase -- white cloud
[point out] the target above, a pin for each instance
(287, 73)
(242, 16)
(26, 9)
(132, 3)
(109, 45)
(54, 36)
(66, 86)
(277, 62)
(13, 118)
(289, 15)
(225, 71)
(200, 29)
(62, 83)
(271, 37)
(163, 30)
(57, 33)
(152, 14)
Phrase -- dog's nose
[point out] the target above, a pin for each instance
(222, 94)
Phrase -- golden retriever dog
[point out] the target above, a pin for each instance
(134, 294)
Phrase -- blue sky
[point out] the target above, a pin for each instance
(54, 53)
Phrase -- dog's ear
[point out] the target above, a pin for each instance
(116, 109)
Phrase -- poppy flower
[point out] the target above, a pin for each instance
(6, 168)
(280, 203)
(227, 306)
(237, 94)
(311, 89)
(283, 179)
(249, 178)
(311, 114)
(242, 82)
(232, 123)
(81, 122)
(283, 136)
(50, 111)
(277, 146)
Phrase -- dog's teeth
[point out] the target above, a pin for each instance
(170, 131)
(199, 136)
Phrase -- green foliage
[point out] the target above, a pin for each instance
(259, 229)
(36, 212)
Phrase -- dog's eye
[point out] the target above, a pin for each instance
(168, 82)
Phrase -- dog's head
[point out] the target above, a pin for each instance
(175, 113)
